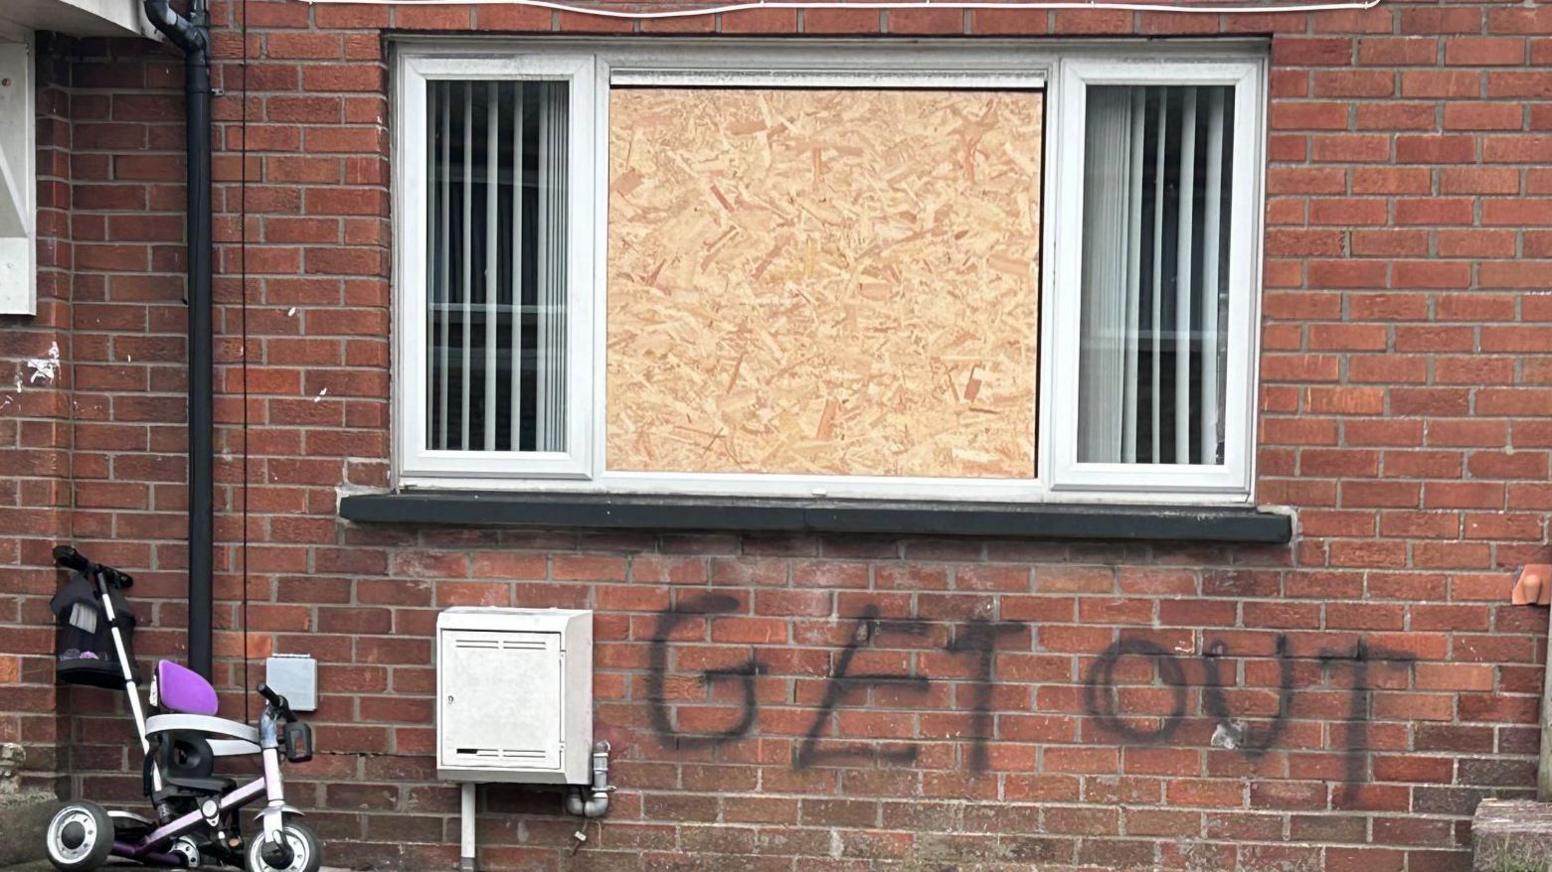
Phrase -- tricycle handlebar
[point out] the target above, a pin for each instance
(70, 558)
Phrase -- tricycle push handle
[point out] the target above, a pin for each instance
(70, 558)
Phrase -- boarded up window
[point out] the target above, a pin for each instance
(823, 281)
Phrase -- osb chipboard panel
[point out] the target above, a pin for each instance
(823, 281)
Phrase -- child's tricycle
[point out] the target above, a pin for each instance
(195, 812)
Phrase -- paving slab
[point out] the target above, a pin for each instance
(23, 817)
(1512, 835)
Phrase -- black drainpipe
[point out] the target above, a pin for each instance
(191, 34)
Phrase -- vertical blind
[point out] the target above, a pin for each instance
(1158, 161)
(496, 305)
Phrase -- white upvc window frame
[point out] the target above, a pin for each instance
(415, 457)
(592, 66)
(1234, 477)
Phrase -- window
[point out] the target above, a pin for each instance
(495, 266)
(1157, 277)
(756, 269)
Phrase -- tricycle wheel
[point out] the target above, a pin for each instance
(300, 851)
(188, 849)
(79, 837)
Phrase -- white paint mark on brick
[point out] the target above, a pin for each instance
(1227, 735)
(45, 368)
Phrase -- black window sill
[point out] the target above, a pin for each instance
(763, 515)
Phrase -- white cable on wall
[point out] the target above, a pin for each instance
(602, 12)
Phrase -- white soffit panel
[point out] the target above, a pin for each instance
(74, 17)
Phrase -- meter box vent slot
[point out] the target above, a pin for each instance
(515, 695)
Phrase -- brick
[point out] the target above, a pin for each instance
(1008, 22)
(1483, 116)
(1091, 21)
(1354, 83)
(513, 19)
(310, 46)
(1309, 116)
(1392, 180)
(1517, 149)
(1349, 211)
(1395, 115)
(1418, 84)
(1312, 51)
(1535, 85)
(1484, 51)
(1478, 180)
(1519, 21)
(1435, 149)
(926, 21)
(842, 21)
(1438, 210)
(1398, 51)
(1352, 148)
(1442, 20)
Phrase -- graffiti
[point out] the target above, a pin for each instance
(1103, 690)
(1231, 733)
(843, 683)
(711, 604)
(1357, 664)
(980, 638)
(1099, 690)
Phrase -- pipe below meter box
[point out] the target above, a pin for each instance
(191, 35)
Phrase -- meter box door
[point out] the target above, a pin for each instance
(515, 695)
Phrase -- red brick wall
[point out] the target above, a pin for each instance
(36, 438)
(1372, 677)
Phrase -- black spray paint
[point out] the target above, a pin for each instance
(662, 724)
(980, 638)
(1358, 662)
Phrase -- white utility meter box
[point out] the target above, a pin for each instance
(515, 695)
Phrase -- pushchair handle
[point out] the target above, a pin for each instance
(70, 558)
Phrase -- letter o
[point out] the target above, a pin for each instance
(1099, 690)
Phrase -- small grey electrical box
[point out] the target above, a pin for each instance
(295, 677)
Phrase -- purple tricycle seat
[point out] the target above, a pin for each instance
(181, 689)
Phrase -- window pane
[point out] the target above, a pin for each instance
(1158, 165)
(496, 301)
